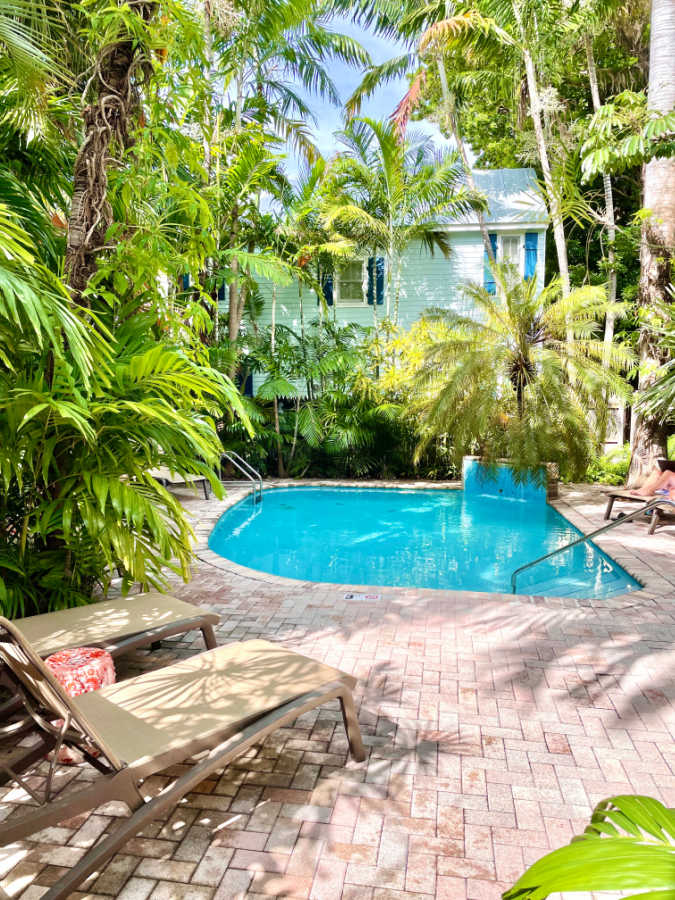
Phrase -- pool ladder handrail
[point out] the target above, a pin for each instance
(588, 537)
(247, 471)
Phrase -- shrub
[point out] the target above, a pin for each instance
(611, 468)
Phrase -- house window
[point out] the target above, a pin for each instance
(512, 250)
(349, 282)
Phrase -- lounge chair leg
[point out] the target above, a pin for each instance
(608, 510)
(653, 525)
(352, 727)
(19, 827)
(209, 637)
(205, 485)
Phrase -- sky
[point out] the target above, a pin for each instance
(346, 78)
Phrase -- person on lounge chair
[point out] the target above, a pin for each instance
(662, 483)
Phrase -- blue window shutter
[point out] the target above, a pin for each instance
(221, 293)
(370, 292)
(531, 241)
(488, 277)
(327, 287)
(186, 282)
(379, 280)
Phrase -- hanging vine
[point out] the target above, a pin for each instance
(121, 67)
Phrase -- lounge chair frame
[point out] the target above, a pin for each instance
(658, 516)
(167, 479)
(189, 619)
(45, 699)
(36, 627)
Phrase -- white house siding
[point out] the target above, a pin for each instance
(426, 281)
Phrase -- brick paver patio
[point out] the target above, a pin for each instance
(493, 726)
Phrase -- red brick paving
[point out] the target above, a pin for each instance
(493, 726)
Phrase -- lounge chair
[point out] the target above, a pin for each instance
(220, 702)
(166, 477)
(117, 625)
(657, 516)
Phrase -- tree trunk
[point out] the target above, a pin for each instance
(610, 223)
(397, 288)
(275, 403)
(542, 149)
(658, 233)
(390, 264)
(233, 289)
(453, 127)
(107, 120)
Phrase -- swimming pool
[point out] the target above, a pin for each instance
(413, 538)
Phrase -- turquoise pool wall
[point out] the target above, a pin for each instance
(498, 481)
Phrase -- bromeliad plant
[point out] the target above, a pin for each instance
(520, 379)
(629, 845)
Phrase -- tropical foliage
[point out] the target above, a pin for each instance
(564, 88)
(148, 222)
(629, 845)
(517, 378)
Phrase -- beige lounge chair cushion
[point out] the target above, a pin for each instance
(105, 621)
(201, 698)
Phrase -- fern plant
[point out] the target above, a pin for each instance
(629, 845)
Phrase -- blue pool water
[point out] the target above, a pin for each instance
(413, 538)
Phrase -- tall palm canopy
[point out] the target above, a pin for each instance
(386, 193)
(519, 378)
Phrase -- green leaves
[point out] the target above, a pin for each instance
(519, 378)
(628, 845)
(623, 133)
(34, 305)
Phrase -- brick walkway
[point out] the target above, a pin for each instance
(493, 726)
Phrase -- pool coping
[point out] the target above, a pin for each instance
(657, 585)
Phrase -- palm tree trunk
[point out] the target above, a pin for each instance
(107, 122)
(453, 126)
(397, 288)
(610, 223)
(542, 149)
(658, 232)
(391, 254)
(275, 403)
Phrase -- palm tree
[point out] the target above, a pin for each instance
(658, 232)
(395, 192)
(302, 237)
(268, 50)
(522, 37)
(520, 378)
(406, 27)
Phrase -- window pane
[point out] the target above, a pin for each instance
(511, 250)
(351, 277)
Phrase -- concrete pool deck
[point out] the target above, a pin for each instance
(493, 723)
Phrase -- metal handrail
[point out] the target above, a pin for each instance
(587, 537)
(247, 471)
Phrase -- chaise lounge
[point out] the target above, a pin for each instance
(219, 703)
(657, 516)
(117, 625)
